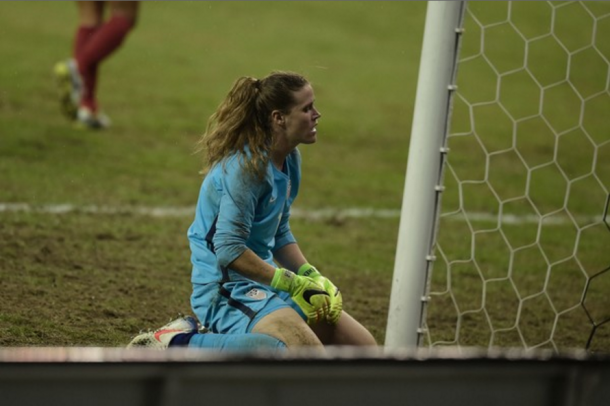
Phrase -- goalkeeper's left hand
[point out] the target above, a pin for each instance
(336, 300)
(308, 294)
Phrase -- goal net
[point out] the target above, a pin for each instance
(522, 251)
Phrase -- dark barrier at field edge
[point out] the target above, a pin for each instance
(447, 376)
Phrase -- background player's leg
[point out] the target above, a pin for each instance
(101, 45)
(90, 13)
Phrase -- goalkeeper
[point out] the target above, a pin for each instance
(252, 285)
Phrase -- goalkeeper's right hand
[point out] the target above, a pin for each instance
(336, 301)
(309, 295)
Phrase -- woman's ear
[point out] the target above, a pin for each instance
(277, 117)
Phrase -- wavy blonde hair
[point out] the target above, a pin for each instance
(244, 119)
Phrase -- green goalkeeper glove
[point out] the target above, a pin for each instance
(336, 300)
(309, 295)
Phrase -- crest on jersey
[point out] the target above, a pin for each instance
(256, 294)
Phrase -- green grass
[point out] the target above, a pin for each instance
(83, 279)
(97, 279)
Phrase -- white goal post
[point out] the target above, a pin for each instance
(422, 187)
(518, 146)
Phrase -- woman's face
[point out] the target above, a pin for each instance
(300, 123)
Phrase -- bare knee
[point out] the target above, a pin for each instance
(287, 326)
(126, 9)
(90, 13)
(348, 331)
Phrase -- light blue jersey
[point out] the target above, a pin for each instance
(236, 211)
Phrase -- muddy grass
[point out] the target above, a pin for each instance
(84, 280)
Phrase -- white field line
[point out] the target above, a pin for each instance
(313, 215)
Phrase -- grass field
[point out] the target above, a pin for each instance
(95, 279)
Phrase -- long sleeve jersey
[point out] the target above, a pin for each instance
(236, 211)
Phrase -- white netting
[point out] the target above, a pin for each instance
(523, 247)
